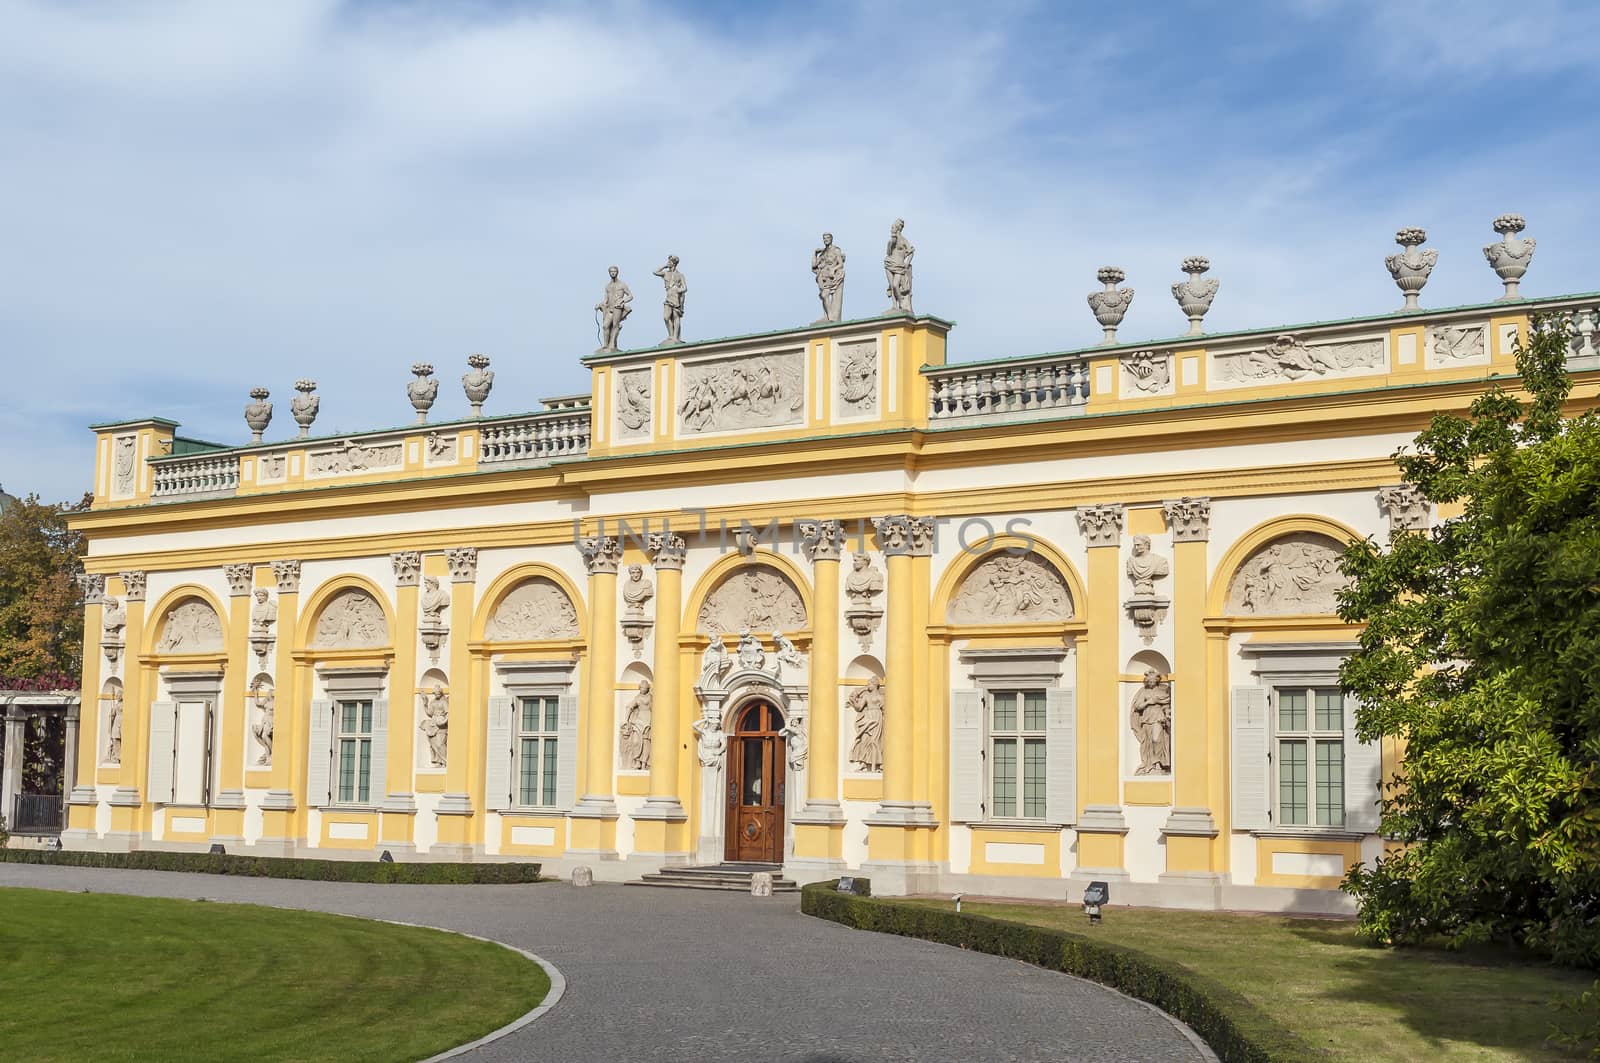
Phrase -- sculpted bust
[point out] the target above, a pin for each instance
(637, 591)
(263, 615)
(1145, 567)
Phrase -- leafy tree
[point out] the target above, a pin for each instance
(1481, 653)
(41, 615)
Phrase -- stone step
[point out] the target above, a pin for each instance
(730, 881)
(784, 886)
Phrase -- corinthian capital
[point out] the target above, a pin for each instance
(1101, 524)
(821, 539)
(601, 553)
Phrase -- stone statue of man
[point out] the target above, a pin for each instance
(672, 308)
(613, 310)
(827, 262)
(897, 268)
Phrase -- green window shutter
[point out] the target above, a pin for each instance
(163, 735)
(567, 753)
(319, 755)
(1363, 776)
(1061, 752)
(497, 766)
(380, 749)
(966, 756)
(1250, 805)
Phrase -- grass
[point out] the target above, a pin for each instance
(94, 976)
(1349, 1000)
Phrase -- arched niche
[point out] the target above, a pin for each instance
(1295, 574)
(111, 708)
(534, 610)
(863, 668)
(756, 597)
(189, 625)
(350, 619)
(1008, 587)
(1148, 660)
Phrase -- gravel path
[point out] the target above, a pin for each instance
(680, 975)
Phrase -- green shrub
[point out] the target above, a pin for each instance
(416, 873)
(1234, 1028)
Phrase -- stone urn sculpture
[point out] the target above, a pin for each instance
(423, 390)
(305, 405)
(1194, 295)
(1410, 268)
(1512, 256)
(258, 414)
(1111, 305)
(477, 382)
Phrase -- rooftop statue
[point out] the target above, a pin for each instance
(827, 262)
(897, 268)
(613, 310)
(672, 308)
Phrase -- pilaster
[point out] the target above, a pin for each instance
(227, 818)
(458, 822)
(592, 828)
(83, 803)
(395, 828)
(663, 824)
(819, 825)
(899, 831)
(1101, 827)
(278, 805)
(1190, 831)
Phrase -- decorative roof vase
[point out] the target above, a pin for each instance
(1111, 305)
(1512, 256)
(477, 382)
(258, 414)
(423, 390)
(1410, 268)
(305, 405)
(1194, 295)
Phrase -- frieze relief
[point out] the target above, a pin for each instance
(755, 598)
(123, 464)
(271, 468)
(354, 456)
(1295, 574)
(441, 449)
(755, 391)
(633, 404)
(191, 627)
(1009, 589)
(1286, 359)
(1456, 345)
(536, 609)
(352, 619)
(1147, 373)
(858, 378)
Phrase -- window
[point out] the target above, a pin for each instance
(1309, 733)
(1017, 760)
(353, 750)
(537, 721)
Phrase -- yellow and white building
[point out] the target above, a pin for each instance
(953, 711)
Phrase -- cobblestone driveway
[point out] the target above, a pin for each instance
(683, 976)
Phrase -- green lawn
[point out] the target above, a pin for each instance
(1357, 1002)
(102, 977)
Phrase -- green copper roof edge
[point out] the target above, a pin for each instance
(678, 348)
(1207, 338)
(133, 421)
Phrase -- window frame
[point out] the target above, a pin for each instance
(547, 738)
(362, 740)
(1313, 738)
(1021, 736)
(1003, 670)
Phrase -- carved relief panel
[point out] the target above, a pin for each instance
(1286, 359)
(1296, 573)
(124, 466)
(1449, 345)
(750, 391)
(1012, 589)
(755, 598)
(856, 379)
(191, 626)
(354, 456)
(352, 619)
(535, 609)
(633, 400)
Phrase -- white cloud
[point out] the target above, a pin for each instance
(203, 197)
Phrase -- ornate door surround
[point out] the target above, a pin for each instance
(723, 697)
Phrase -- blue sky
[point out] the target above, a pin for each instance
(203, 197)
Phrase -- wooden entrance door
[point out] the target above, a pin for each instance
(755, 786)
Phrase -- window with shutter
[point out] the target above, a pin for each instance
(1250, 758)
(319, 755)
(163, 750)
(966, 756)
(1062, 749)
(499, 754)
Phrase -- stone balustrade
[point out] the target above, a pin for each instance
(1056, 385)
(199, 476)
(1585, 335)
(559, 433)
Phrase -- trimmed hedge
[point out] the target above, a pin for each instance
(416, 873)
(1235, 1029)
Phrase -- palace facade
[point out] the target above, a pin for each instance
(813, 597)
